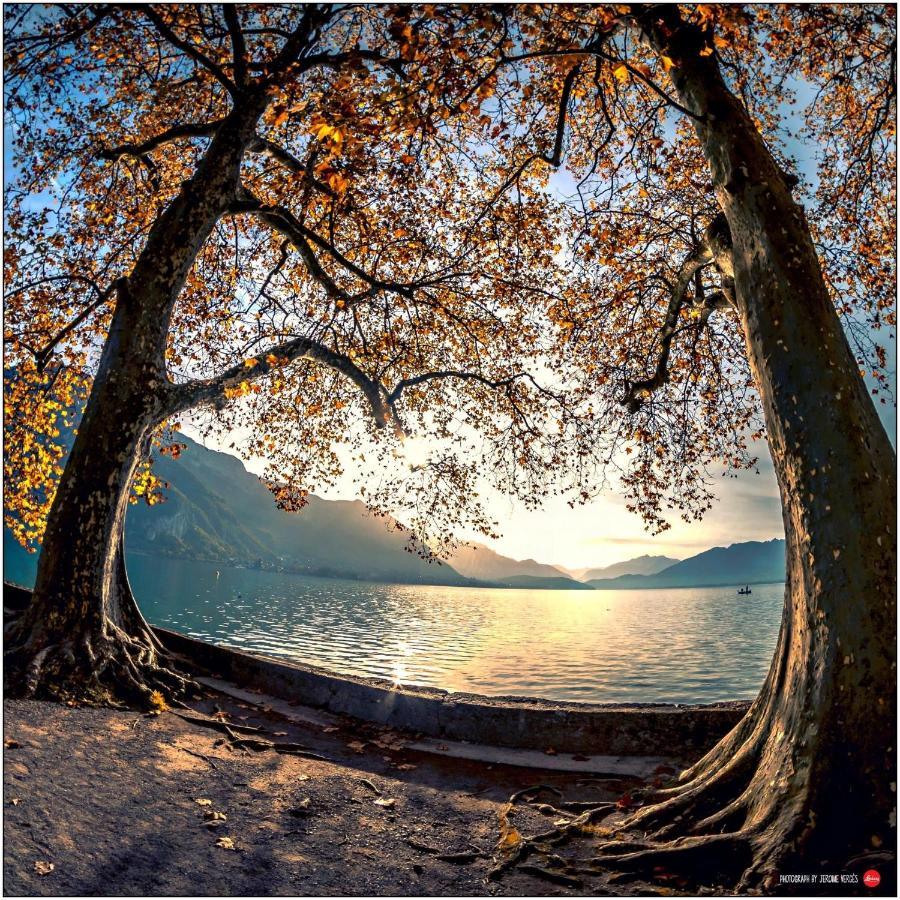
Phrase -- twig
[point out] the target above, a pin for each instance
(369, 785)
(224, 727)
(198, 755)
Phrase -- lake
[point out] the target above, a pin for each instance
(686, 645)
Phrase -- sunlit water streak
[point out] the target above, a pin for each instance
(689, 645)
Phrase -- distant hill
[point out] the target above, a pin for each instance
(478, 561)
(216, 510)
(640, 565)
(753, 562)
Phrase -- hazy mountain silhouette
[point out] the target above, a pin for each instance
(640, 565)
(753, 562)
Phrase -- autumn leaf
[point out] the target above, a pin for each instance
(386, 802)
(621, 72)
(667, 62)
(158, 701)
(43, 868)
(226, 843)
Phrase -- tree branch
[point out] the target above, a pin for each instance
(289, 226)
(715, 247)
(188, 129)
(188, 48)
(238, 46)
(214, 390)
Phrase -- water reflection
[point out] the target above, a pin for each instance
(676, 646)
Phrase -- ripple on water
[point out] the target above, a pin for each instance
(695, 645)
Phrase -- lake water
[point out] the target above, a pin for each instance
(688, 645)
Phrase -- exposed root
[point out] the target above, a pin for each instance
(717, 855)
(102, 667)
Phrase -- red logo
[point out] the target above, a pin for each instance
(871, 879)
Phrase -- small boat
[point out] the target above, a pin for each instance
(745, 590)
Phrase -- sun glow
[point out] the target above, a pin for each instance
(415, 451)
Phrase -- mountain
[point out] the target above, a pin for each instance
(640, 565)
(478, 561)
(216, 510)
(753, 562)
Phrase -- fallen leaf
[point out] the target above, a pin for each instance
(158, 701)
(330, 729)
(405, 767)
(202, 801)
(16, 801)
(356, 746)
(43, 868)
(550, 751)
(386, 802)
(280, 733)
(625, 801)
(226, 843)
(215, 815)
(10, 744)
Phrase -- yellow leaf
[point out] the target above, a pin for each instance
(706, 51)
(158, 701)
(667, 62)
(250, 363)
(621, 72)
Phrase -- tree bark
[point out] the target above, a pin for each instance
(83, 636)
(802, 784)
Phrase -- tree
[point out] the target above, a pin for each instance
(704, 293)
(698, 303)
(268, 212)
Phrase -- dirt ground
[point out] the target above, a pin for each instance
(106, 802)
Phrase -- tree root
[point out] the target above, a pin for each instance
(103, 667)
(718, 855)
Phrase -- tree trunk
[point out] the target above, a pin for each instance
(83, 636)
(803, 783)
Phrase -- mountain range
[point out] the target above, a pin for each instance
(753, 562)
(640, 565)
(217, 510)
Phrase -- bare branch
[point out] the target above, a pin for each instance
(239, 48)
(715, 247)
(188, 48)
